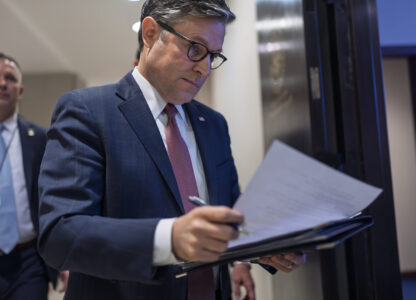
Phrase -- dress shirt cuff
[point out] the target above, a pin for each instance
(162, 248)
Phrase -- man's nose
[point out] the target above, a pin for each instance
(2, 82)
(204, 66)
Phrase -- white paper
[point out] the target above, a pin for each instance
(291, 191)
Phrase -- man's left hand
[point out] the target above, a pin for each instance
(285, 262)
(241, 276)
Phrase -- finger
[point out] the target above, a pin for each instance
(297, 259)
(237, 290)
(193, 249)
(282, 267)
(294, 259)
(285, 259)
(277, 263)
(283, 263)
(213, 245)
(249, 286)
(192, 238)
(200, 226)
(203, 255)
(220, 214)
(221, 232)
(280, 259)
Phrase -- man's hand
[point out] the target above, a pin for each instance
(203, 233)
(241, 276)
(63, 276)
(285, 262)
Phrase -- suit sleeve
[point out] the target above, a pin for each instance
(73, 233)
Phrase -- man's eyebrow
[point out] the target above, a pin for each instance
(202, 41)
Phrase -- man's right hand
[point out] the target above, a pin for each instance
(203, 233)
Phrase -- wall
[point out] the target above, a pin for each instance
(236, 90)
(397, 22)
(401, 129)
(42, 91)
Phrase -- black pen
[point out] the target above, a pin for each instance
(199, 202)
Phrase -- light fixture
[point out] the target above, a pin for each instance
(136, 27)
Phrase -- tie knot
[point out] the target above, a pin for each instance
(170, 110)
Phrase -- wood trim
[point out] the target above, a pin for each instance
(412, 77)
(398, 51)
(408, 275)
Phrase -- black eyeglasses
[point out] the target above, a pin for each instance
(197, 51)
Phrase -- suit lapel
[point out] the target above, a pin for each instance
(200, 125)
(140, 118)
(27, 154)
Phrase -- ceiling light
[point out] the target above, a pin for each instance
(136, 27)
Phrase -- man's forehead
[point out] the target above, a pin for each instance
(9, 62)
(204, 30)
(11, 65)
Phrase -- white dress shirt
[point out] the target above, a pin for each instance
(162, 253)
(11, 137)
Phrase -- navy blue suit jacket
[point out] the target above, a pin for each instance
(106, 181)
(33, 140)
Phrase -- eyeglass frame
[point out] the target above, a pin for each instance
(171, 30)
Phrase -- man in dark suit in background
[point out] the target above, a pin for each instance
(23, 274)
(121, 161)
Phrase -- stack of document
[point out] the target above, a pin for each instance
(294, 202)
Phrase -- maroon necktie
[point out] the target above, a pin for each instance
(200, 283)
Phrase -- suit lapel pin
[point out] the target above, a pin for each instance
(30, 132)
(202, 119)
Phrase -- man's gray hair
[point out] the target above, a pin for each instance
(174, 11)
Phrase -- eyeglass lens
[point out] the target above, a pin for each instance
(197, 52)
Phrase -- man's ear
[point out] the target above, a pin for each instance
(150, 32)
(21, 91)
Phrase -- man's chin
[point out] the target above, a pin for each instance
(182, 99)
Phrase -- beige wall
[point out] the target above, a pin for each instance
(41, 91)
(236, 90)
(402, 140)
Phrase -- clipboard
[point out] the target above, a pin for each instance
(325, 236)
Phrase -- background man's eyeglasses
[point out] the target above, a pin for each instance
(197, 51)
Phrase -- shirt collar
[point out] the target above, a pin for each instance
(152, 96)
(11, 123)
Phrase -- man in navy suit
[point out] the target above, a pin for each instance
(113, 185)
(23, 274)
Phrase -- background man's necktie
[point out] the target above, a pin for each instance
(9, 234)
(200, 283)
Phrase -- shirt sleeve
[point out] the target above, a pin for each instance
(162, 248)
